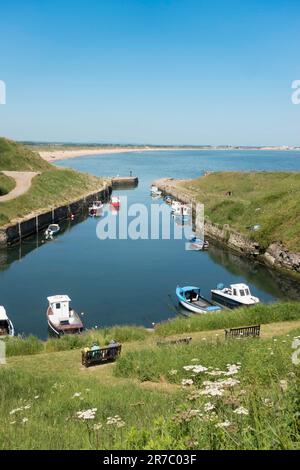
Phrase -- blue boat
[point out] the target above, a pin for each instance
(190, 298)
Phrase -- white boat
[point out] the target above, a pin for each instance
(175, 205)
(52, 230)
(197, 244)
(115, 202)
(237, 295)
(190, 297)
(61, 318)
(155, 192)
(95, 210)
(182, 210)
(6, 325)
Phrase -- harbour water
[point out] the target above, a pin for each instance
(133, 281)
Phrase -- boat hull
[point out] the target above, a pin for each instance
(64, 329)
(227, 302)
(199, 305)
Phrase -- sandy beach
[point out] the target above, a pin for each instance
(55, 155)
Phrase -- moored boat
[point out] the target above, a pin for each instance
(182, 210)
(61, 318)
(190, 297)
(197, 244)
(95, 210)
(168, 200)
(115, 202)
(237, 295)
(155, 192)
(6, 325)
(52, 230)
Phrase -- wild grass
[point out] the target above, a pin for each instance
(47, 405)
(258, 314)
(16, 157)
(257, 408)
(31, 345)
(6, 184)
(268, 199)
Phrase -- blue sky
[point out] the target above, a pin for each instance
(151, 71)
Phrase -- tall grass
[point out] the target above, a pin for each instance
(31, 345)
(258, 314)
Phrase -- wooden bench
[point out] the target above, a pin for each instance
(101, 355)
(243, 332)
(175, 341)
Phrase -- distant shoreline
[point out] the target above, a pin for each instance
(57, 155)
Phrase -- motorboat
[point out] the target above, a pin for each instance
(168, 200)
(237, 295)
(155, 192)
(52, 230)
(182, 210)
(6, 325)
(61, 318)
(95, 210)
(197, 244)
(190, 298)
(115, 202)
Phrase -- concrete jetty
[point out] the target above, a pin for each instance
(124, 181)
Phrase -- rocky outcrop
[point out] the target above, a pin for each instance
(278, 255)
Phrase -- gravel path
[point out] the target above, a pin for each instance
(23, 181)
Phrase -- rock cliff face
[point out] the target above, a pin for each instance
(276, 254)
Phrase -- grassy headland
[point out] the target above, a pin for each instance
(242, 394)
(51, 188)
(271, 200)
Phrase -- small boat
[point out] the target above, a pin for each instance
(237, 295)
(168, 200)
(197, 244)
(155, 192)
(175, 205)
(115, 201)
(6, 326)
(182, 210)
(191, 298)
(61, 318)
(95, 210)
(52, 230)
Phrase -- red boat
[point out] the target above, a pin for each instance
(115, 201)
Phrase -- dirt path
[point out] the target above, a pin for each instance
(23, 181)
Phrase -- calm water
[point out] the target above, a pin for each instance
(126, 281)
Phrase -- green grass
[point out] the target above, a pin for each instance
(258, 314)
(47, 390)
(271, 200)
(52, 188)
(267, 390)
(31, 345)
(15, 157)
(6, 184)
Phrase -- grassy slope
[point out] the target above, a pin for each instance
(269, 199)
(140, 389)
(53, 187)
(7, 184)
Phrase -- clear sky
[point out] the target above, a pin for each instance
(151, 71)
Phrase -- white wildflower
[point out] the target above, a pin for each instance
(209, 407)
(187, 382)
(225, 424)
(241, 411)
(86, 415)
